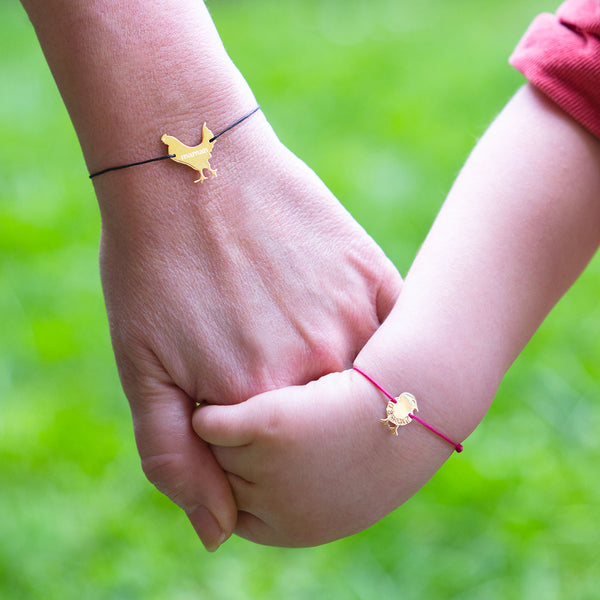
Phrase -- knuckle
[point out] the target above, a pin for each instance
(168, 474)
(330, 353)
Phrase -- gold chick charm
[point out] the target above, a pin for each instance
(193, 156)
(398, 413)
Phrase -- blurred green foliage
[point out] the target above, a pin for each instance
(408, 87)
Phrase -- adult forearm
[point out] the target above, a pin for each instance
(130, 70)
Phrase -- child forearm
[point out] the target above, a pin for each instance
(518, 227)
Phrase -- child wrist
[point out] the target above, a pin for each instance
(401, 411)
(451, 398)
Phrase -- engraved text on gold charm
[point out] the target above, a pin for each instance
(398, 412)
(193, 156)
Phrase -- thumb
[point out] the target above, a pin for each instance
(180, 464)
(233, 424)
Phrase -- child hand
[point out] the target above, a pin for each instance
(311, 464)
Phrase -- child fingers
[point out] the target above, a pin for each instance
(239, 461)
(253, 528)
(232, 425)
(249, 499)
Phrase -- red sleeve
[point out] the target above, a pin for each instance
(560, 55)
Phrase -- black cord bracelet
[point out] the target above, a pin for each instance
(192, 156)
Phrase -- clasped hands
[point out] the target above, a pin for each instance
(234, 322)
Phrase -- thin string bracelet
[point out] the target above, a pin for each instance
(400, 411)
(195, 157)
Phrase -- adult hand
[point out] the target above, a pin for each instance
(214, 291)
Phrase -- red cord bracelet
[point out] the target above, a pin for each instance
(400, 412)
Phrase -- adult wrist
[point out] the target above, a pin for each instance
(137, 141)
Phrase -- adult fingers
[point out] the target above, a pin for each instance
(180, 464)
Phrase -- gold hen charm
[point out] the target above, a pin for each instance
(398, 412)
(195, 157)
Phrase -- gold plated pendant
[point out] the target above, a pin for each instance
(398, 412)
(193, 156)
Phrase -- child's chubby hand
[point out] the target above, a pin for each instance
(311, 464)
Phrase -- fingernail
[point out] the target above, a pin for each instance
(207, 527)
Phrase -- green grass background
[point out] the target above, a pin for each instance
(384, 100)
